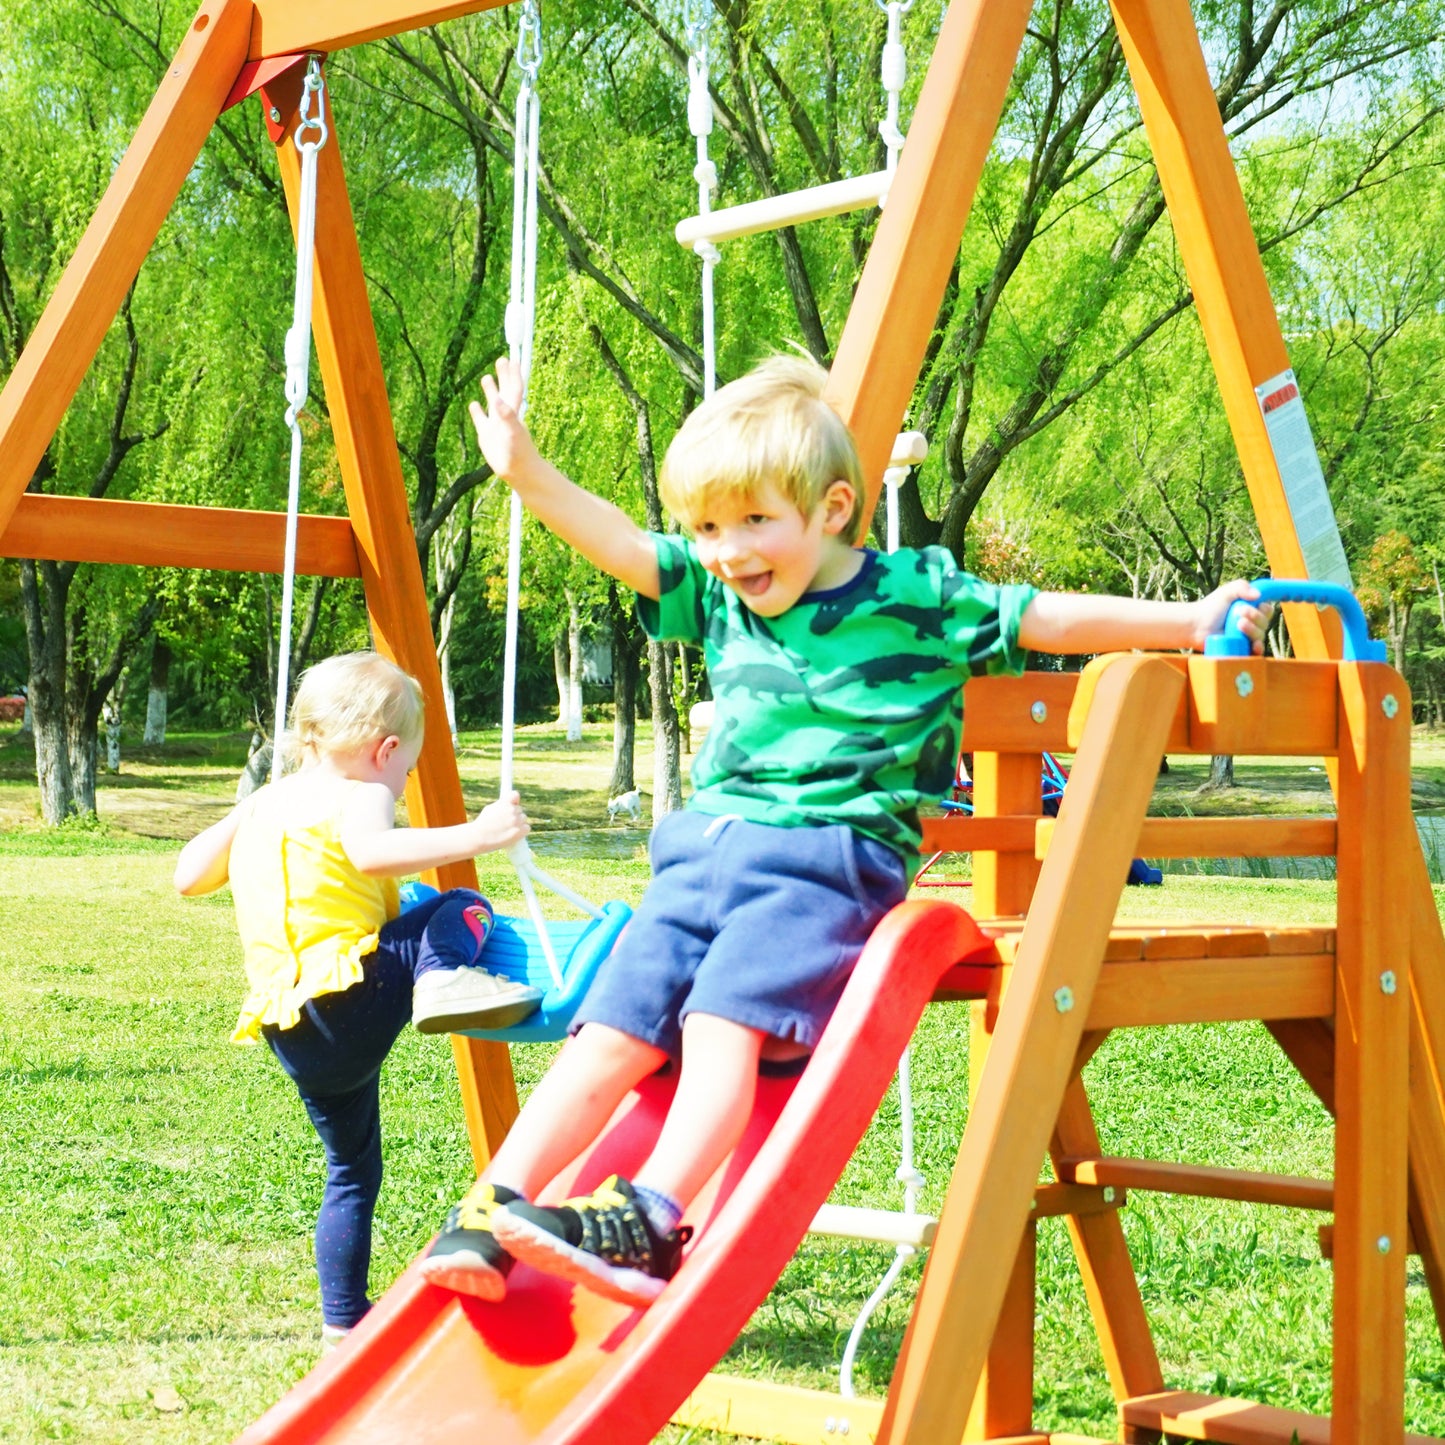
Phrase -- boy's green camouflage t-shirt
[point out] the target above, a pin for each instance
(847, 708)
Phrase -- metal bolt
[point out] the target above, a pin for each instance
(1383, 1244)
(275, 113)
(842, 1427)
(1243, 684)
(1387, 981)
(1388, 705)
(1063, 999)
(1109, 1194)
(1038, 712)
(830, 1425)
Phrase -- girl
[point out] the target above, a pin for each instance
(333, 969)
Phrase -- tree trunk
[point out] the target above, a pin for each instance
(1221, 773)
(46, 639)
(624, 707)
(574, 669)
(666, 749)
(84, 742)
(559, 671)
(158, 698)
(111, 714)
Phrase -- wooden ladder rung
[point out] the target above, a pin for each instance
(874, 1226)
(1206, 1181)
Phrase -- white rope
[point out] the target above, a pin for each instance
(913, 447)
(699, 122)
(893, 73)
(311, 133)
(521, 323)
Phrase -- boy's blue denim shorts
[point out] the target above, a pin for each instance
(747, 921)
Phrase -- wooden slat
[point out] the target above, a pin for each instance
(763, 1410)
(1004, 785)
(140, 194)
(896, 304)
(366, 452)
(1326, 1234)
(998, 713)
(151, 534)
(1221, 837)
(962, 833)
(1285, 709)
(1195, 1416)
(1372, 1054)
(1030, 1058)
(1052, 1200)
(1135, 994)
(1288, 1190)
(281, 27)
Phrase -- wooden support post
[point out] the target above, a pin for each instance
(1372, 1040)
(366, 450)
(126, 223)
(896, 305)
(1031, 1056)
(1103, 1254)
(1003, 884)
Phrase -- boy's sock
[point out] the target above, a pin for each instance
(663, 1212)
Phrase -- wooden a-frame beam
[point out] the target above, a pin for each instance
(282, 27)
(126, 223)
(896, 305)
(154, 534)
(366, 451)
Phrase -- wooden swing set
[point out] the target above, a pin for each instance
(1359, 1009)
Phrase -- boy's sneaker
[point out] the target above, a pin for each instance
(444, 1000)
(603, 1241)
(465, 1256)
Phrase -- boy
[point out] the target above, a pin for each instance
(837, 677)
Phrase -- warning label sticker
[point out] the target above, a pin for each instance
(1283, 410)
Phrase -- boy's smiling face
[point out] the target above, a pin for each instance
(770, 553)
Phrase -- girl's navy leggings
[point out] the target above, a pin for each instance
(333, 1054)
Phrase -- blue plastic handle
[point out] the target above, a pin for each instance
(1359, 647)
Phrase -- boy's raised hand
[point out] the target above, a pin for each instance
(1212, 610)
(504, 439)
(503, 824)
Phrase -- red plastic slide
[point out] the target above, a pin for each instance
(556, 1363)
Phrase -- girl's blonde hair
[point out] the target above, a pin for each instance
(771, 426)
(346, 702)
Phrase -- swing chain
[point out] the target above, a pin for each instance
(529, 42)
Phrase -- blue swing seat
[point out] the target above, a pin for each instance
(513, 949)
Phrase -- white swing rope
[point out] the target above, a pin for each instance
(311, 134)
(699, 122)
(520, 328)
(908, 1173)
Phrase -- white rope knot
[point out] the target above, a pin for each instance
(705, 174)
(707, 252)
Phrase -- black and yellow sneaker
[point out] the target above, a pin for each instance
(465, 1256)
(603, 1241)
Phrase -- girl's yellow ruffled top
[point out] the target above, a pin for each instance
(306, 915)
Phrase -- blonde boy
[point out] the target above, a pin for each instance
(837, 676)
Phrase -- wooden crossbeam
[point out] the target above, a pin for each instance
(1203, 1181)
(152, 534)
(282, 27)
(1193, 1416)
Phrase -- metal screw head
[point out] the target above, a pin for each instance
(1388, 705)
(1383, 1244)
(275, 114)
(1038, 712)
(843, 1427)
(1109, 1194)
(1243, 684)
(1063, 999)
(830, 1425)
(1387, 981)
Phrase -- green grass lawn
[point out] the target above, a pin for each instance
(158, 1185)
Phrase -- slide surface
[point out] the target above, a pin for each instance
(553, 1362)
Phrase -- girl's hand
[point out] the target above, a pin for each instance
(502, 824)
(1211, 611)
(505, 441)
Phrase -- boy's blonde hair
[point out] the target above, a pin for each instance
(770, 426)
(357, 698)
